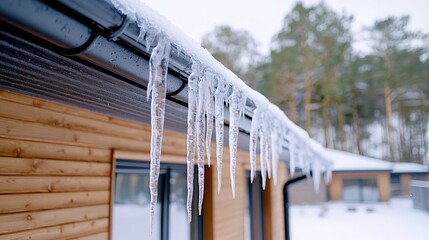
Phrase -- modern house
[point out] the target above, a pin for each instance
(357, 178)
(402, 174)
(76, 140)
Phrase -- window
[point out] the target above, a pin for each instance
(132, 202)
(360, 190)
(254, 220)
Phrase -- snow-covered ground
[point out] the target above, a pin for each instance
(394, 220)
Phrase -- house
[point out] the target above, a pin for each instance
(358, 178)
(77, 143)
(402, 174)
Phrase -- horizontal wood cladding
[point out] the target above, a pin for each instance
(32, 149)
(55, 169)
(31, 220)
(13, 203)
(62, 232)
(31, 119)
(41, 184)
(98, 236)
(35, 166)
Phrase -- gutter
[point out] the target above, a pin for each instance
(286, 201)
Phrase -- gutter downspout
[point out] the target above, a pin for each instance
(286, 201)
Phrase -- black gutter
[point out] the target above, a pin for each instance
(286, 201)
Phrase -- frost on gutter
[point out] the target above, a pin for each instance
(211, 86)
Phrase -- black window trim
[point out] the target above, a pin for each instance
(261, 206)
(143, 166)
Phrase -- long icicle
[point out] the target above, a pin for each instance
(190, 153)
(234, 115)
(263, 153)
(200, 121)
(210, 108)
(158, 65)
(254, 133)
(219, 122)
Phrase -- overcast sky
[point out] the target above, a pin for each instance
(263, 18)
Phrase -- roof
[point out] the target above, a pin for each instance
(409, 167)
(347, 162)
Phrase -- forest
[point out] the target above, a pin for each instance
(373, 102)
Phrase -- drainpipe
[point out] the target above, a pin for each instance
(286, 201)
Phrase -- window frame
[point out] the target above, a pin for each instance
(250, 187)
(129, 166)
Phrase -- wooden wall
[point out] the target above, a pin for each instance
(56, 166)
(383, 182)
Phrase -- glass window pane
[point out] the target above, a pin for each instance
(370, 190)
(351, 190)
(131, 208)
(178, 221)
(254, 219)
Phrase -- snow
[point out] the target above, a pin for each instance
(408, 167)
(344, 161)
(207, 73)
(394, 220)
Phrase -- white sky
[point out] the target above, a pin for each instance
(263, 18)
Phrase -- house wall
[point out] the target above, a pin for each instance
(303, 193)
(336, 185)
(56, 165)
(405, 183)
(406, 178)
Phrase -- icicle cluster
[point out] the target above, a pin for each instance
(211, 87)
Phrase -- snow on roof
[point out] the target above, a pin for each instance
(409, 167)
(345, 161)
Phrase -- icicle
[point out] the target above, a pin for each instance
(268, 145)
(292, 156)
(243, 106)
(254, 133)
(263, 152)
(151, 34)
(179, 50)
(235, 100)
(328, 174)
(190, 153)
(276, 147)
(200, 121)
(316, 174)
(158, 67)
(210, 109)
(141, 23)
(219, 122)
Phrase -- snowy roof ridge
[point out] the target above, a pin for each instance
(409, 167)
(346, 161)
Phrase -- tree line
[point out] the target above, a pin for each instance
(372, 103)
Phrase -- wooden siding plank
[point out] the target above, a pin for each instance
(10, 128)
(61, 232)
(34, 166)
(36, 184)
(50, 118)
(13, 203)
(29, 149)
(98, 236)
(32, 220)
(61, 108)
